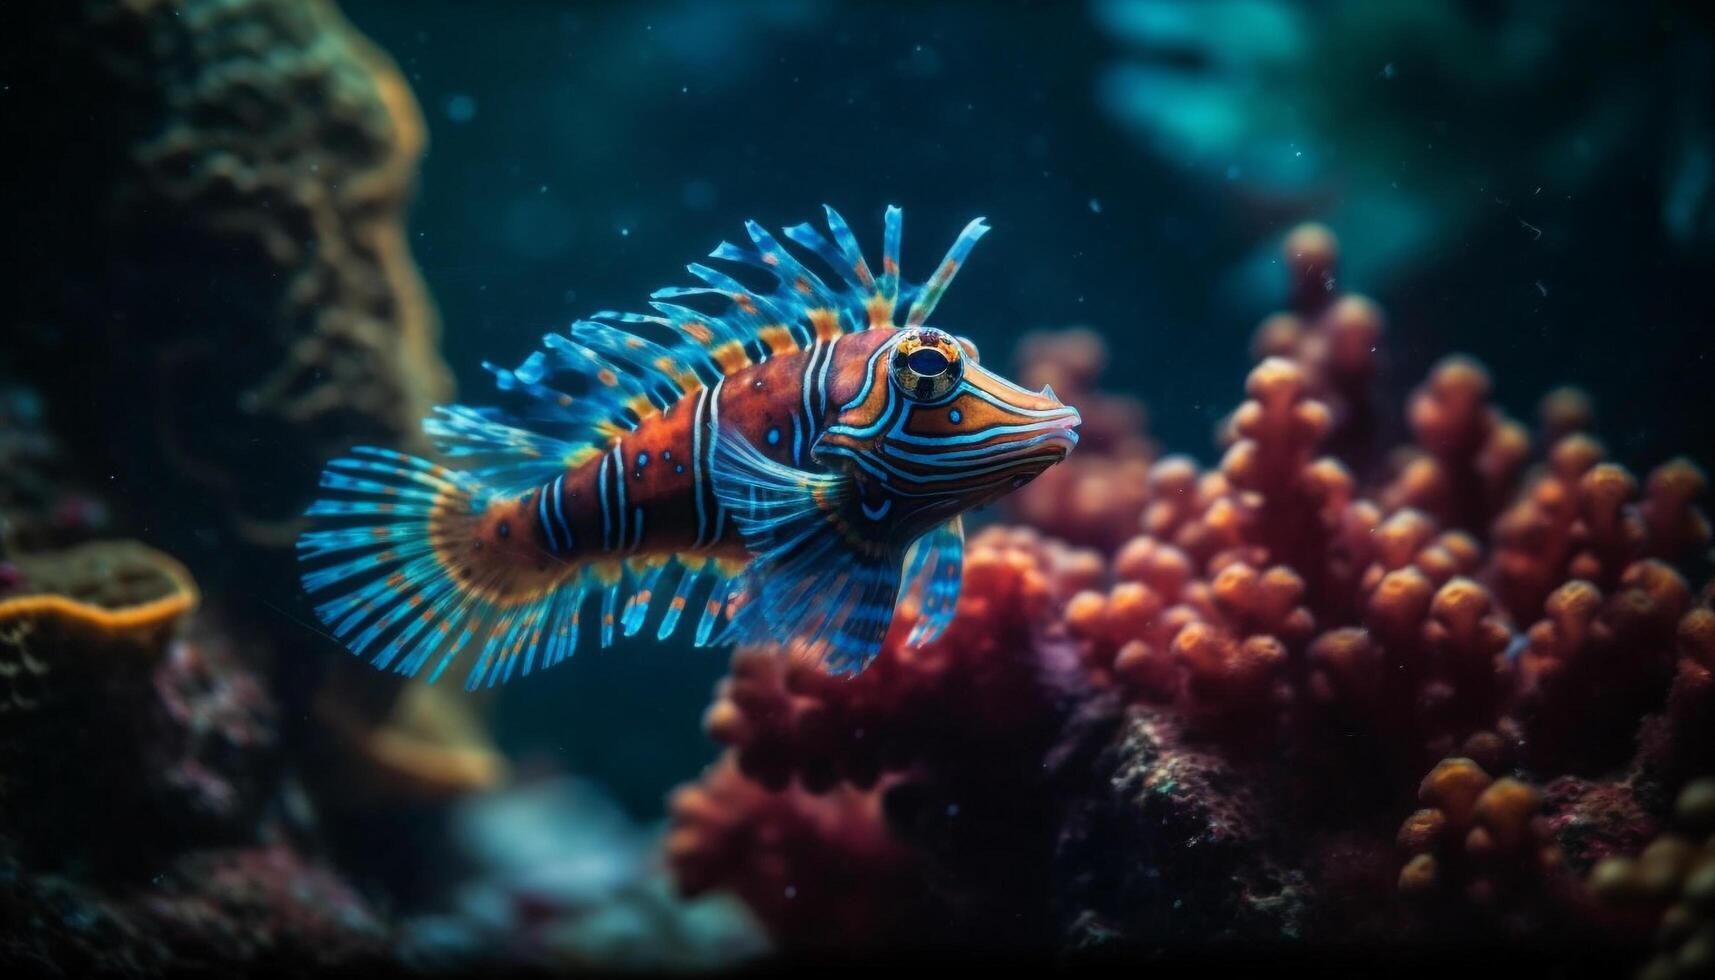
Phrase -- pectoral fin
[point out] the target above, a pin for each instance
(810, 578)
(933, 570)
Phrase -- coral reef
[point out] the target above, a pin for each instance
(821, 871)
(239, 276)
(222, 278)
(140, 797)
(1325, 688)
(942, 739)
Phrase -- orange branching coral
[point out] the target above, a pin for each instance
(1680, 743)
(819, 871)
(1334, 337)
(1475, 834)
(1095, 496)
(1581, 518)
(1593, 665)
(1468, 454)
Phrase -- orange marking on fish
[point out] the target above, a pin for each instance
(880, 310)
(777, 338)
(731, 356)
(699, 332)
(802, 285)
(769, 258)
(744, 302)
(607, 377)
(826, 323)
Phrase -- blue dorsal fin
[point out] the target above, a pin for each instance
(604, 375)
(933, 572)
(807, 580)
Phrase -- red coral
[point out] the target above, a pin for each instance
(1306, 629)
(982, 689)
(1094, 497)
(820, 871)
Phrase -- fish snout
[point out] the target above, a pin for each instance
(1065, 421)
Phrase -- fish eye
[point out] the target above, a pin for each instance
(926, 365)
(928, 362)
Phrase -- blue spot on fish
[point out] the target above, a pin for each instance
(956, 416)
(642, 460)
(773, 436)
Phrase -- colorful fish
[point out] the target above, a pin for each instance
(778, 468)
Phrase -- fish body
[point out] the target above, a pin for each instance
(779, 469)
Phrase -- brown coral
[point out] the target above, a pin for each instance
(250, 167)
(1476, 835)
(112, 721)
(120, 599)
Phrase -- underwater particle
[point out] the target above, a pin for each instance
(460, 108)
(1095, 206)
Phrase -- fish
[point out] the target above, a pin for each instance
(776, 462)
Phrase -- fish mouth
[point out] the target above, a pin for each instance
(1065, 431)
